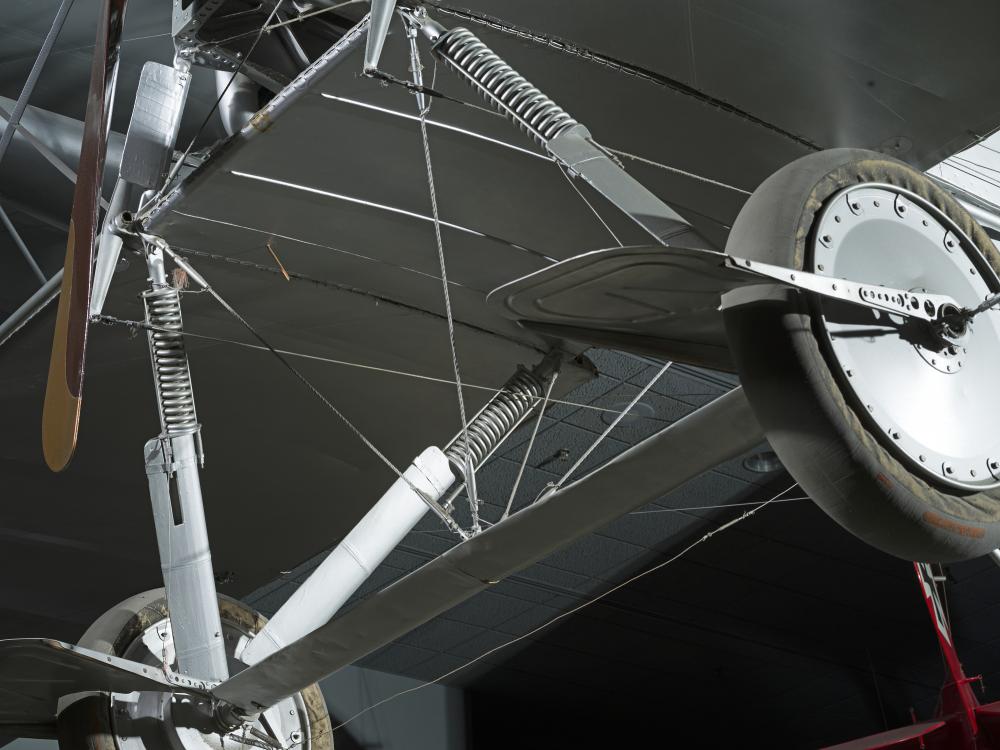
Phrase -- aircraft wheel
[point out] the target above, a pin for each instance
(138, 629)
(891, 430)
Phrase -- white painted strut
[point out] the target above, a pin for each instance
(353, 560)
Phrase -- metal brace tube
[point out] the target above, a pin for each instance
(31, 307)
(12, 231)
(575, 149)
(185, 557)
(399, 510)
(353, 560)
(173, 458)
(565, 139)
(182, 538)
(36, 71)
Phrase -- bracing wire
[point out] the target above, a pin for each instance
(685, 509)
(142, 325)
(607, 430)
(972, 163)
(590, 205)
(470, 470)
(531, 444)
(289, 21)
(676, 170)
(981, 144)
(593, 600)
(711, 507)
(971, 173)
(952, 187)
(618, 152)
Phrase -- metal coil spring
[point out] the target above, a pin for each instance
(170, 365)
(496, 420)
(502, 86)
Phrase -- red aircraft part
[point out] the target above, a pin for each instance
(961, 722)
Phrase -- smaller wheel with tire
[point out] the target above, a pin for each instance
(888, 424)
(139, 629)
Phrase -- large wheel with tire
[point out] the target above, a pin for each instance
(138, 629)
(890, 426)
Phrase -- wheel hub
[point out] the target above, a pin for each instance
(156, 721)
(929, 392)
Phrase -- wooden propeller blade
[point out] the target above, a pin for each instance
(64, 390)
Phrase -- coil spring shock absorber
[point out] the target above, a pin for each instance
(174, 393)
(502, 86)
(496, 420)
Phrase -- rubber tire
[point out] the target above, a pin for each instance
(85, 724)
(809, 416)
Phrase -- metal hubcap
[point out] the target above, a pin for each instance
(934, 400)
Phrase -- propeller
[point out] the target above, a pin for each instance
(64, 389)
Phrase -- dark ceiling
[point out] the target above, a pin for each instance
(781, 632)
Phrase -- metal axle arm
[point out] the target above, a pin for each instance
(920, 305)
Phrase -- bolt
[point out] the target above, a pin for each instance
(972, 271)
(870, 407)
(836, 219)
(850, 373)
(995, 465)
(793, 277)
(948, 469)
(834, 287)
(924, 222)
(820, 267)
(933, 361)
(972, 472)
(895, 436)
(922, 457)
(876, 204)
(827, 238)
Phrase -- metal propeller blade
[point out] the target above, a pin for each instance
(64, 390)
